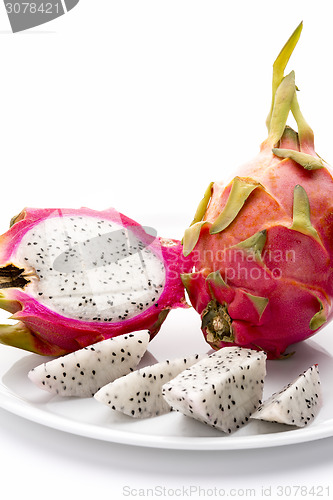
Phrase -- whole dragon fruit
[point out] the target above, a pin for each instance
(262, 245)
(73, 277)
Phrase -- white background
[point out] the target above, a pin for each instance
(139, 105)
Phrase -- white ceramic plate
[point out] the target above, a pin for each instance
(179, 336)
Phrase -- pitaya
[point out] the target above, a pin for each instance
(139, 394)
(73, 277)
(222, 390)
(296, 404)
(262, 245)
(82, 373)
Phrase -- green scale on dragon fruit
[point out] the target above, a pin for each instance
(73, 277)
(83, 372)
(222, 390)
(139, 394)
(262, 243)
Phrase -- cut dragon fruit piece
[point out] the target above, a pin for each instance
(82, 373)
(139, 394)
(222, 390)
(296, 404)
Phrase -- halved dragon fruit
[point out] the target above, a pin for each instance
(262, 245)
(73, 277)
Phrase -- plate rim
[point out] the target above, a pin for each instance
(22, 408)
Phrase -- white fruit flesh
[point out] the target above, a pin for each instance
(91, 269)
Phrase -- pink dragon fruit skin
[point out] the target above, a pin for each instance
(262, 246)
(41, 327)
